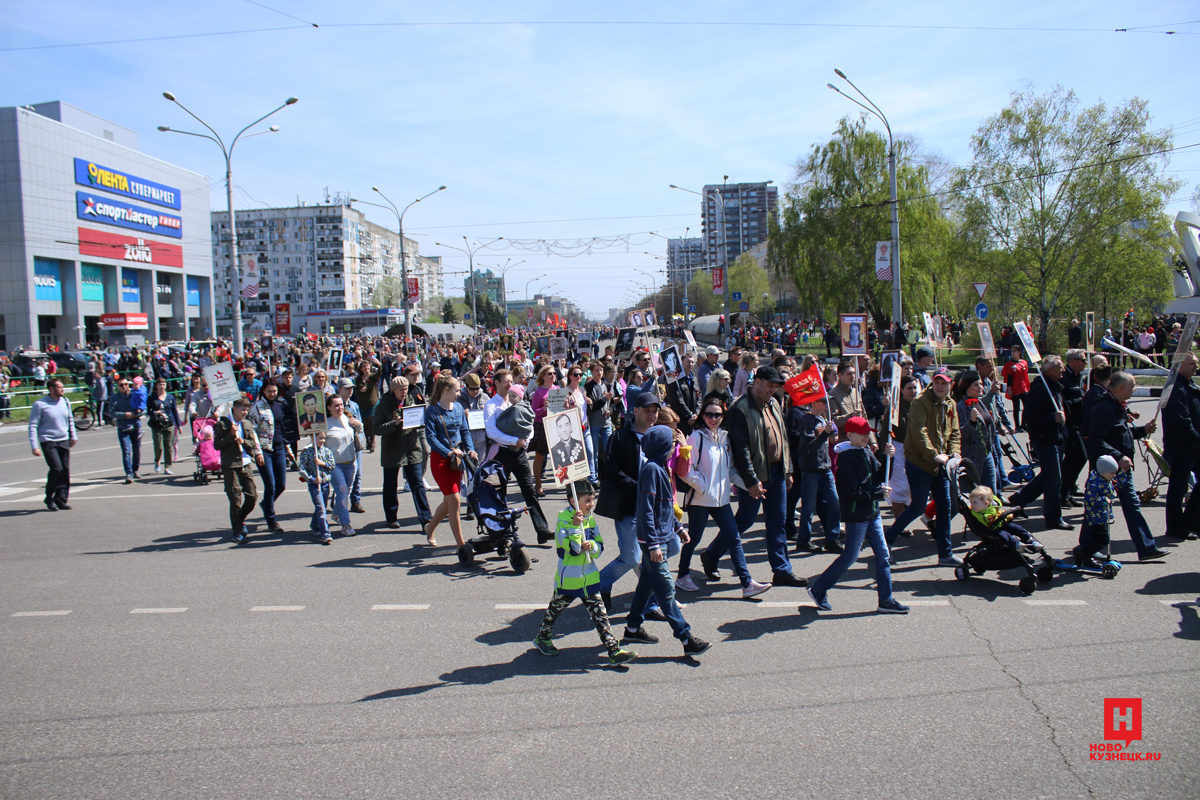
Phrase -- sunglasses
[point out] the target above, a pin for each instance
(575, 374)
(713, 415)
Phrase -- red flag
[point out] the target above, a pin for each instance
(313, 337)
(806, 387)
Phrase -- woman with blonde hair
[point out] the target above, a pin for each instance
(449, 439)
(546, 379)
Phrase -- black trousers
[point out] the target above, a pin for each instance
(1074, 460)
(516, 463)
(242, 494)
(58, 479)
(414, 477)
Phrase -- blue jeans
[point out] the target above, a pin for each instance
(728, 540)
(774, 507)
(922, 484)
(1047, 483)
(274, 473)
(655, 579)
(319, 524)
(998, 463)
(987, 473)
(130, 440)
(856, 532)
(1131, 508)
(343, 479)
(628, 553)
(356, 488)
(598, 434)
(818, 493)
(591, 454)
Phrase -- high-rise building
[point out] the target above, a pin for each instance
(318, 260)
(684, 257)
(736, 218)
(99, 241)
(487, 283)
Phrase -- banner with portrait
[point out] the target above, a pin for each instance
(672, 364)
(310, 412)
(986, 344)
(564, 439)
(625, 342)
(854, 334)
(558, 348)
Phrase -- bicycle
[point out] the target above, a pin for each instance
(86, 414)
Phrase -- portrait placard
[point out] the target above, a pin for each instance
(310, 412)
(564, 437)
(854, 334)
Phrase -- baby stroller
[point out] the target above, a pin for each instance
(998, 550)
(208, 458)
(497, 522)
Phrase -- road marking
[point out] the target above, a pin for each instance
(1056, 602)
(6, 490)
(74, 452)
(131, 496)
(158, 610)
(1180, 602)
(776, 604)
(927, 602)
(518, 606)
(277, 608)
(41, 613)
(401, 607)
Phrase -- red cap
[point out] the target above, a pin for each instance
(858, 425)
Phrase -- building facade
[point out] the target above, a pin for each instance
(99, 242)
(486, 282)
(736, 217)
(314, 261)
(684, 258)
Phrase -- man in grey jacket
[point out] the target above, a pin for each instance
(52, 434)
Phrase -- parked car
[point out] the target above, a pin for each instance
(22, 361)
(73, 361)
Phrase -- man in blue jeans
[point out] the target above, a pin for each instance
(762, 470)
(933, 437)
(127, 409)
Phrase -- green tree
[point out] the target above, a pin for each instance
(747, 277)
(700, 294)
(387, 294)
(1063, 202)
(448, 312)
(837, 209)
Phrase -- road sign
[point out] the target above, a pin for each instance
(466, 317)
(685, 300)
(743, 306)
(981, 310)
(692, 309)
(735, 297)
(981, 288)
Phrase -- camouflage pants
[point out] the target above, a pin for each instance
(595, 606)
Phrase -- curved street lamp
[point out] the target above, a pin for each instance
(227, 151)
(403, 259)
(470, 253)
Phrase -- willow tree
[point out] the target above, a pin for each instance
(1061, 203)
(834, 212)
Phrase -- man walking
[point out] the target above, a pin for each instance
(240, 451)
(268, 417)
(1047, 426)
(512, 455)
(1181, 440)
(762, 470)
(712, 358)
(683, 398)
(52, 434)
(400, 449)
(1074, 451)
(127, 409)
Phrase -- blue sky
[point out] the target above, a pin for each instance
(529, 124)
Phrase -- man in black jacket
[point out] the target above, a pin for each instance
(682, 397)
(235, 438)
(1047, 425)
(1110, 433)
(1181, 445)
(1074, 453)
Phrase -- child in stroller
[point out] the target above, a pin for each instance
(497, 522)
(1005, 544)
(208, 458)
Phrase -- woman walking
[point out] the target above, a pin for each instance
(340, 441)
(449, 440)
(901, 495)
(978, 428)
(163, 416)
(545, 382)
(1016, 375)
(711, 482)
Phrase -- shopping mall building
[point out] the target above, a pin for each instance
(98, 241)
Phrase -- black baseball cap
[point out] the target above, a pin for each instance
(768, 374)
(647, 399)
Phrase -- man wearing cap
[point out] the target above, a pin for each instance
(712, 358)
(924, 358)
(345, 387)
(1047, 426)
(762, 470)
(933, 437)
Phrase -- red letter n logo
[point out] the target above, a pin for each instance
(1123, 718)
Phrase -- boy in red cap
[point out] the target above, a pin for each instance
(860, 487)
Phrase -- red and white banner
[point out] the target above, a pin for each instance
(129, 248)
(283, 319)
(414, 290)
(125, 322)
(806, 387)
(718, 276)
(883, 261)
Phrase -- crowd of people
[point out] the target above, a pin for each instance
(726, 441)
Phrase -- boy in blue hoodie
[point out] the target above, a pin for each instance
(656, 533)
(860, 488)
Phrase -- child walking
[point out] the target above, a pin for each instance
(579, 545)
(1098, 494)
(316, 470)
(860, 488)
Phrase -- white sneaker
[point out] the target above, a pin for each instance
(754, 589)
(926, 521)
(428, 488)
(684, 583)
(950, 561)
(157, 468)
(167, 471)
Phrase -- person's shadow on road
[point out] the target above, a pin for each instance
(1189, 610)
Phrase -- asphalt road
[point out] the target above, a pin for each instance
(143, 656)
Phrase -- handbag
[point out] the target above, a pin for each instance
(453, 462)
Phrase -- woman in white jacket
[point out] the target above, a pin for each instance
(710, 479)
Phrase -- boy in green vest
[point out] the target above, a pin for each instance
(579, 544)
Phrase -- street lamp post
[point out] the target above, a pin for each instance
(470, 253)
(766, 297)
(724, 248)
(403, 254)
(897, 305)
(503, 277)
(235, 267)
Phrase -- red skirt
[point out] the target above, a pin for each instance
(447, 480)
